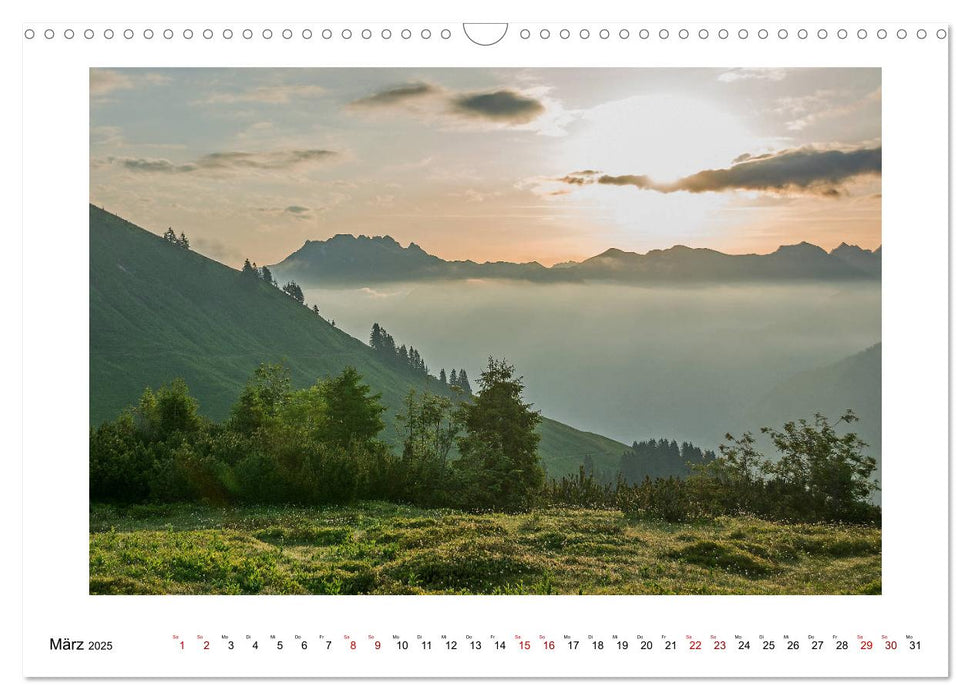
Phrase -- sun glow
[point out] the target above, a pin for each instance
(662, 136)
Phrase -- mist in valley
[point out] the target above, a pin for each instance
(627, 362)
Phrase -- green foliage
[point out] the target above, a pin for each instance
(498, 461)
(821, 473)
(262, 399)
(820, 476)
(353, 414)
(429, 425)
(120, 462)
(170, 410)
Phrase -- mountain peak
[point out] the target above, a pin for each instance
(802, 246)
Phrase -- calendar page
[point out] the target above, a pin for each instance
(555, 349)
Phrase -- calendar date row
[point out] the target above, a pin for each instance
(540, 644)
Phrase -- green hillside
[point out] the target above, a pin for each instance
(158, 312)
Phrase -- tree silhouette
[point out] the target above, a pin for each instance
(293, 289)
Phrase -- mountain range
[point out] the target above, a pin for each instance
(158, 312)
(346, 259)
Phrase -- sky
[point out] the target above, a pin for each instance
(491, 164)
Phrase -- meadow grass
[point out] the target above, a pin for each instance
(381, 548)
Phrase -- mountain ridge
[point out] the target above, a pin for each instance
(362, 259)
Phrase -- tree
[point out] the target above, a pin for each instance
(250, 271)
(169, 236)
(498, 452)
(442, 378)
(262, 399)
(316, 310)
(267, 275)
(353, 414)
(169, 410)
(829, 469)
(463, 382)
(293, 289)
(453, 379)
(183, 241)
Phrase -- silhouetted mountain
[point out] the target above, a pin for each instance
(364, 260)
(866, 260)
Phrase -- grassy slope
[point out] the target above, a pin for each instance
(382, 548)
(158, 312)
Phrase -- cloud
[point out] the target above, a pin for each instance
(499, 107)
(267, 160)
(803, 170)
(150, 165)
(396, 95)
(772, 74)
(295, 211)
(104, 81)
(228, 162)
(268, 94)
(504, 106)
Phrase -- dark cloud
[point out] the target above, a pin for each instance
(269, 160)
(150, 165)
(505, 106)
(802, 170)
(641, 182)
(396, 95)
(499, 106)
(228, 161)
(294, 210)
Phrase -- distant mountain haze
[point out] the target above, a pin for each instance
(346, 259)
(620, 360)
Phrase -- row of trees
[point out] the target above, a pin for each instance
(410, 359)
(254, 273)
(820, 475)
(181, 240)
(459, 380)
(401, 355)
(320, 445)
(469, 451)
(659, 458)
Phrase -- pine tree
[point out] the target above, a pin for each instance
(183, 241)
(250, 271)
(498, 452)
(442, 378)
(464, 382)
(316, 310)
(294, 290)
(453, 378)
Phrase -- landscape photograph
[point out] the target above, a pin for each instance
(487, 331)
